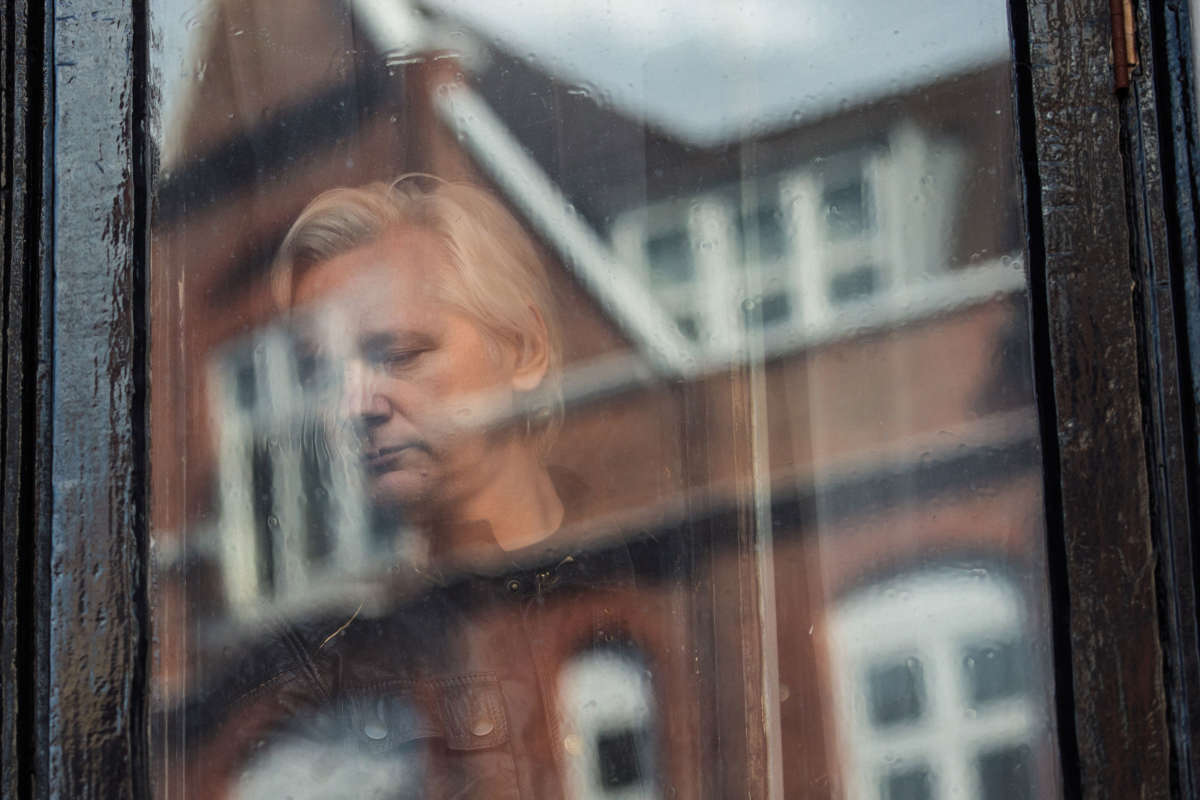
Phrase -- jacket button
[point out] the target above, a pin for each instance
(514, 586)
(375, 730)
(483, 727)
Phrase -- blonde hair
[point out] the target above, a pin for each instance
(497, 276)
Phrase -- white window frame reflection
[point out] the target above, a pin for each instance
(284, 411)
(933, 616)
(909, 185)
(605, 690)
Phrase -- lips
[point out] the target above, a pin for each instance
(385, 459)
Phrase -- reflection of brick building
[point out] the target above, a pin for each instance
(838, 409)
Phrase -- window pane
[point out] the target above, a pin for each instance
(994, 672)
(897, 692)
(763, 234)
(593, 400)
(911, 784)
(1006, 773)
(845, 207)
(855, 284)
(669, 257)
(766, 312)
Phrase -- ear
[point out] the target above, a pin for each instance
(533, 355)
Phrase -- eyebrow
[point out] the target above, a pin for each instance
(382, 340)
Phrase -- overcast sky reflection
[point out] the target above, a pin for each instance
(703, 71)
(708, 71)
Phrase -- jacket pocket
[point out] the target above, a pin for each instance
(384, 717)
(471, 710)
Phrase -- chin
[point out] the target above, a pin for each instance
(402, 491)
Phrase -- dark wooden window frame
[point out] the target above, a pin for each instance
(1108, 243)
(1111, 189)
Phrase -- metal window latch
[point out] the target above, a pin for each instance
(1124, 48)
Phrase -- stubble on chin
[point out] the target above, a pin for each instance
(409, 497)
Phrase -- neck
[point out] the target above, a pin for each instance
(517, 501)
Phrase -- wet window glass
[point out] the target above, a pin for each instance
(993, 671)
(582, 400)
(908, 784)
(897, 692)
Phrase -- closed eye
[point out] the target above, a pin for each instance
(392, 353)
(398, 360)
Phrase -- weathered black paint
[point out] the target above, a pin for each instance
(28, 221)
(1039, 342)
(1096, 182)
(74, 602)
(1167, 279)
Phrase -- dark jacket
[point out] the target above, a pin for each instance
(449, 694)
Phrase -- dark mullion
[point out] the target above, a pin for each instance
(24, 747)
(1090, 394)
(143, 165)
(1168, 279)
(1041, 359)
(26, 399)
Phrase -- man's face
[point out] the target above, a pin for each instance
(414, 370)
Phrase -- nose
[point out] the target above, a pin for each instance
(362, 404)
